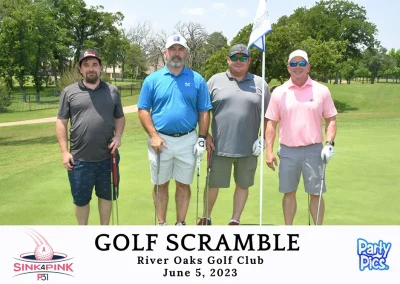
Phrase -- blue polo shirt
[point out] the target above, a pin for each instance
(174, 101)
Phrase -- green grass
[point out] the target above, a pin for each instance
(126, 98)
(362, 178)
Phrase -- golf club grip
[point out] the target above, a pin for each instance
(114, 168)
(209, 159)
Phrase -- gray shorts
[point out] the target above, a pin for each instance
(244, 170)
(295, 161)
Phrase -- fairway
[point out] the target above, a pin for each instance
(362, 178)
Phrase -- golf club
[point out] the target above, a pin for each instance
(309, 219)
(157, 177)
(115, 183)
(198, 189)
(209, 161)
(320, 191)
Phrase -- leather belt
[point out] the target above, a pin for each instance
(177, 134)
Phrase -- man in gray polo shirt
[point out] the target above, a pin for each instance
(236, 97)
(97, 123)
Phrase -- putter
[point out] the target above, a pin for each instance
(114, 188)
(157, 177)
(320, 191)
(209, 161)
(309, 219)
(198, 189)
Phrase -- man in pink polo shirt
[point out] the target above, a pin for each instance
(300, 104)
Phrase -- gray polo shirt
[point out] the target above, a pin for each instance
(236, 113)
(92, 115)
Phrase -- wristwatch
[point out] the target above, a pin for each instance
(331, 142)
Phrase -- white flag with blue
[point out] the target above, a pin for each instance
(261, 26)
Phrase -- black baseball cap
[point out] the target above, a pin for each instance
(89, 53)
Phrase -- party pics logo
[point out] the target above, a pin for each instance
(43, 261)
(373, 256)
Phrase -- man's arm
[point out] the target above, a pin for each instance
(330, 128)
(147, 122)
(156, 141)
(119, 130)
(62, 137)
(204, 123)
(270, 135)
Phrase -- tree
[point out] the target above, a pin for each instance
(42, 42)
(324, 57)
(337, 20)
(196, 38)
(4, 98)
(115, 47)
(136, 62)
(87, 27)
(215, 63)
(216, 41)
(16, 39)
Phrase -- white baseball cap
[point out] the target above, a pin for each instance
(298, 53)
(176, 39)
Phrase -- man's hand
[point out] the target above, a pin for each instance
(68, 160)
(258, 144)
(327, 153)
(210, 143)
(199, 147)
(271, 161)
(156, 142)
(114, 143)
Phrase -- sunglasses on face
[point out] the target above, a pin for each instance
(300, 63)
(241, 58)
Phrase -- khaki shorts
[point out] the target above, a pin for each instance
(295, 161)
(244, 170)
(177, 161)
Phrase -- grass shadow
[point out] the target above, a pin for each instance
(343, 107)
(48, 140)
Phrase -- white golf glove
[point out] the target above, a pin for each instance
(199, 147)
(257, 146)
(327, 153)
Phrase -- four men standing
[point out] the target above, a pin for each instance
(172, 102)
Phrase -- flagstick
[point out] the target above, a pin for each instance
(262, 131)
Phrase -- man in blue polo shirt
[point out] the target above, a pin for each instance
(171, 103)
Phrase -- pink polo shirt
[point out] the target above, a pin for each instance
(300, 111)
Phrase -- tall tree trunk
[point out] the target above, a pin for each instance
(115, 75)
(337, 78)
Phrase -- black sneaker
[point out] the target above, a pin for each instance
(204, 221)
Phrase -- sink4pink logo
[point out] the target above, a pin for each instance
(43, 261)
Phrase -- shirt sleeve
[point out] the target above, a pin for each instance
(329, 106)
(267, 97)
(273, 107)
(145, 101)
(118, 110)
(203, 97)
(63, 108)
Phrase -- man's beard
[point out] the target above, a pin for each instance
(175, 64)
(91, 78)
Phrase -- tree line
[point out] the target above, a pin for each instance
(41, 41)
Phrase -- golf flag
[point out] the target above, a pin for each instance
(261, 26)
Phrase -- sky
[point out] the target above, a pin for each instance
(230, 16)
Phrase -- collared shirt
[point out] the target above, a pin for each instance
(92, 114)
(300, 111)
(236, 112)
(174, 100)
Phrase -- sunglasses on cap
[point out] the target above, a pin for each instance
(300, 63)
(242, 58)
